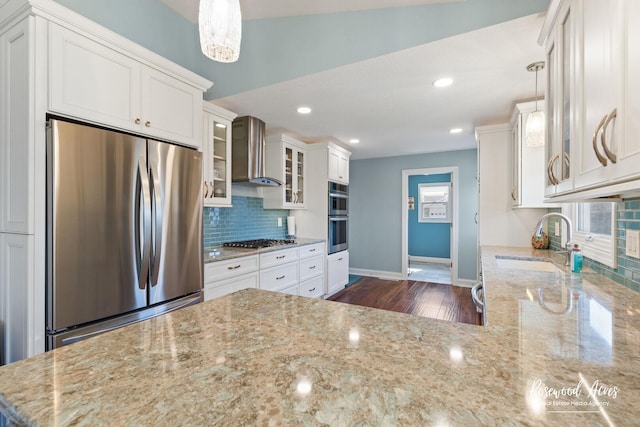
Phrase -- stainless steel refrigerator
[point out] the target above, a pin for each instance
(124, 230)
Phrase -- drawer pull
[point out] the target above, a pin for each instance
(312, 289)
(312, 267)
(280, 277)
(137, 121)
(339, 259)
(281, 256)
(235, 267)
(312, 250)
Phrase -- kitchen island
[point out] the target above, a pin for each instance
(570, 357)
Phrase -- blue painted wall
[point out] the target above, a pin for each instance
(375, 226)
(427, 239)
(279, 49)
(245, 220)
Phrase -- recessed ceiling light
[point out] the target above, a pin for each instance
(354, 141)
(304, 110)
(221, 125)
(455, 130)
(443, 82)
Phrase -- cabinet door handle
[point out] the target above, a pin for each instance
(339, 259)
(137, 121)
(552, 176)
(147, 124)
(567, 161)
(280, 277)
(281, 256)
(235, 267)
(603, 136)
(601, 158)
(206, 190)
(212, 195)
(513, 195)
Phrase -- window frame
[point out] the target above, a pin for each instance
(421, 205)
(597, 247)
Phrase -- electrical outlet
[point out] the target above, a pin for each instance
(279, 222)
(556, 230)
(633, 243)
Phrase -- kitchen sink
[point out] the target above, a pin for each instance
(526, 263)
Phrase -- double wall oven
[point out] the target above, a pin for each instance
(338, 217)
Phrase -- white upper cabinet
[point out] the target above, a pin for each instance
(286, 161)
(216, 154)
(92, 81)
(560, 132)
(338, 165)
(597, 120)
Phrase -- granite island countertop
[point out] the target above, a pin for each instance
(262, 358)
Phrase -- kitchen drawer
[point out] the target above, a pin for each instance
(220, 270)
(231, 285)
(274, 258)
(280, 277)
(291, 290)
(311, 267)
(312, 288)
(311, 250)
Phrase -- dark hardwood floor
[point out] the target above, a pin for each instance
(433, 300)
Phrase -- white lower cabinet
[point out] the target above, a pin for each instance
(337, 271)
(224, 287)
(16, 286)
(295, 271)
(312, 288)
(225, 277)
(280, 277)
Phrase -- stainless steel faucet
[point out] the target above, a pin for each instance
(539, 228)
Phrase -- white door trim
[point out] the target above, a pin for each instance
(453, 170)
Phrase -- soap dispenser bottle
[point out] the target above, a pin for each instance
(576, 259)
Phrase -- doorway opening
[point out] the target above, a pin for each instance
(429, 225)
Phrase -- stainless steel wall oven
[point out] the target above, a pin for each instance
(338, 217)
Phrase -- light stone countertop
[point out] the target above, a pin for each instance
(262, 358)
(221, 253)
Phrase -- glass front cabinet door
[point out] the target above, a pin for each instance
(286, 162)
(216, 168)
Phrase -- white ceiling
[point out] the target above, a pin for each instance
(388, 102)
(259, 9)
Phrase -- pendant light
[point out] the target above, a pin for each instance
(220, 25)
(534, 129)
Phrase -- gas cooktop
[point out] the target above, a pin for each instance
(258, 243)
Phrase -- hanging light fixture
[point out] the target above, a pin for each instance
(220, 25)
(534, 129)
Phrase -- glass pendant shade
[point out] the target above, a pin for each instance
(534, 129)
(220, 25)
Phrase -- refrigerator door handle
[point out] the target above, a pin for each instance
(157, 219)
(143, 262)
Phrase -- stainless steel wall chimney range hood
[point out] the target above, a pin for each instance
(248, 153)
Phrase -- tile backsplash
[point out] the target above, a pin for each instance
(245, 220)
(628, 271)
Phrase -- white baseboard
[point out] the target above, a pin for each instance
(388, 275)
(429, 260)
